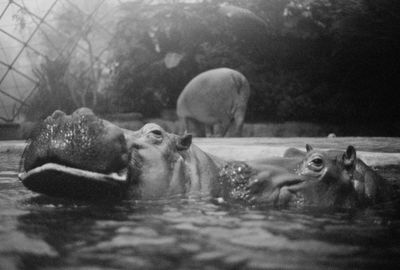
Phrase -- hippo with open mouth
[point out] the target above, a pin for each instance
(83, 156)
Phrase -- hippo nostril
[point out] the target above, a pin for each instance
(125, 158)
(135, 145)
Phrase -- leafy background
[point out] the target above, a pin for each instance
(322, 61)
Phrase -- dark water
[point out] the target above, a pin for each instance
(38, 232)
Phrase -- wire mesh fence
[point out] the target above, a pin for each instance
(34, 32)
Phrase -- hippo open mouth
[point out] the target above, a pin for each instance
(77, 156)
(287, 190)
(269, 185)
(63, 181)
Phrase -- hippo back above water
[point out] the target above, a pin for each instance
(215, 97)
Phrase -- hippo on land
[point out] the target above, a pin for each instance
(216, 97)
(83, 156)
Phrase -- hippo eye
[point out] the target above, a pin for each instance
(318, 162)
(156, 132)
(155, 136)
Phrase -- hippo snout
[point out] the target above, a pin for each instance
(81, 141)
(78, 155)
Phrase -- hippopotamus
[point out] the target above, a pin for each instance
(368, 185)
(216, 97)
(83, 156)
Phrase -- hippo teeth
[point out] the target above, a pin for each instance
(119, 176)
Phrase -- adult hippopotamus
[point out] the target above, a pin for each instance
(215, 98)
(85, 157)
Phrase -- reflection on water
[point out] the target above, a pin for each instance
(38, 232)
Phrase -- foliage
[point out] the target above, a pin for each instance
(144, 36)
(287, 58)
(68, 77)
(328, 61)
(52, 91)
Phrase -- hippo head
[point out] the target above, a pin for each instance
(80, 140)
(329, 177)
(312, 177)
(83, 156)
(157, 160)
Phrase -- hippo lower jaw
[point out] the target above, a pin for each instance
(278, 190)
(62, 181)
(292, 194)
(309, 192)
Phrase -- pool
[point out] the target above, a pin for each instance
(38, 232)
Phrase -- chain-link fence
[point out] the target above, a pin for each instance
(32, 33)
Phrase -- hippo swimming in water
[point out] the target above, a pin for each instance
(83, 156)
(369, 186)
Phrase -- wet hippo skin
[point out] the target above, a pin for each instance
(62, 143)
(369, 186)
(80, 140)
(83, 156)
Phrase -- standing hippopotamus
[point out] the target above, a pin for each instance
(83, 156)
(215, 97)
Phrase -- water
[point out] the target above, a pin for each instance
(39, 232)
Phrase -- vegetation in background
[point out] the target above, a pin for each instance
(326, 61)
(68, 78)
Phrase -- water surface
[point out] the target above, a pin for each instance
(38, 232)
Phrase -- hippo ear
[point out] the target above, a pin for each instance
(309, 147)
(349, 157)
(58, 114)
(184, 142)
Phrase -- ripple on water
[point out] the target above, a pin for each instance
(190, 247)
(139, 231)
(262, 239)
(15, 242)
(127, 241)
(130, 262)
(186, 226)
(191, 233)
(210, 255)
(10, 175)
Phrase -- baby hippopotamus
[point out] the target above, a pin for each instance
(369, 187)
(83, 156)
